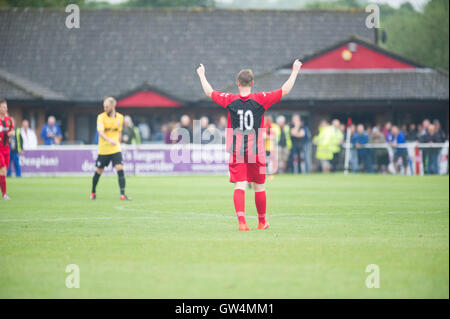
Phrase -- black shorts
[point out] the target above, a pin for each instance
(103, 160)
(403, 154)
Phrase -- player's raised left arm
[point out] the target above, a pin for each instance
(207, 88)
(289, 84)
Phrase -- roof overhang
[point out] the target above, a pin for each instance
(148, 96)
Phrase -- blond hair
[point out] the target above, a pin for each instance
(110, 100)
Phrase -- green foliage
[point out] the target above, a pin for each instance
(39, 3)
(105, 4)
(419, 36)
(422, 37)
(262, 4)
(168, 3)
(333, 5)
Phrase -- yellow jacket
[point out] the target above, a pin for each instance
(325, 143)
(287, 133)
(337, 139)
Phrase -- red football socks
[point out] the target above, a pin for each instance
(239, 204)
(260, 201)
(3, 184)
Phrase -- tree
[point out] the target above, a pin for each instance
(168, 3)
(105, 4)
(333, 5)
(39, 3)
(419, 36)
(422, 37)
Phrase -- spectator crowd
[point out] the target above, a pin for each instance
(379, 148)
(373, 149)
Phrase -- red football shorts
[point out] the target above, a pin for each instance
(250, 172)
(4, 160)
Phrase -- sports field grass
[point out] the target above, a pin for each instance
(178, 238)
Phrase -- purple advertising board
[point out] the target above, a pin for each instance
(143, 160)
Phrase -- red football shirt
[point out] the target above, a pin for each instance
(246, 119)
(6, 126)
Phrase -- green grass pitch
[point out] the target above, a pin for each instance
(178, 238)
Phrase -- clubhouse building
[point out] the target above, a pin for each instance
(147, 60)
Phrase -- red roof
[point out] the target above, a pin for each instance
(356, 54)
(147, 98)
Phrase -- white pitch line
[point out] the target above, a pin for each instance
(66, 219)
(208, 215)
(357, 213)
(180, 213)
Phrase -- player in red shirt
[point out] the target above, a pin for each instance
(244, 137)
(6, 131)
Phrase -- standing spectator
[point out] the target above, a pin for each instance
(338, 138)
(269, 133)
(212, 135)
(422, 137)
(398, 141)
(130, 133)
(419, 129)
(359, 140)
(222, 127)
(381, 157)
(387, 129)
(307, 147)
(424, 131)
(353, 151)
(170, 128)
(51, 133)
(16, 148)
(184, 130)
(324, 142)
(284, 142)
(404, 129)
(204, 125)
(431, 156)
(439, 131)
(95, 139)
(298, 137)
(159, 136)
(411, 136)
(144, 129)
(28, 136)
(269, 137)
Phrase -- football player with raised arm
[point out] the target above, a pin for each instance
(244, 138)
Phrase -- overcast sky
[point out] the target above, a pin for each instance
(394, 3)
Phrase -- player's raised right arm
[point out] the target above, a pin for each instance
(289, 84)
(207, 88)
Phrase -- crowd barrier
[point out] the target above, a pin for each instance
(154, 159)
(415, 156)
(148, 159)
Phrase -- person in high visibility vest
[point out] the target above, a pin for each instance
(269, 137)
(283, 135)
(337, 139)
(130, 133)
(324, 142)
